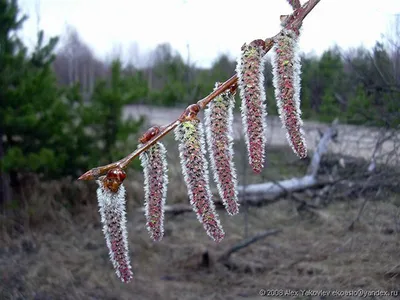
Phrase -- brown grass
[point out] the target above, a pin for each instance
(60, 252)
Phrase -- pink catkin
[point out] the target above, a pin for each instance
(286, 73)
(190, 137)
(250, 68)
(112, 213)
(155, 170)
(219, 132)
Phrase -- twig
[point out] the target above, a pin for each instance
(351, 226)
(382, 138)
(293, 22)
(247, 242)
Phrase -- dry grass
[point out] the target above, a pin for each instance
(61, 253)
(70, 260)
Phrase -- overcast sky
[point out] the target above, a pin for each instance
(210, 27)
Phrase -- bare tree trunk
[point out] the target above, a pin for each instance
(322, 147)
(70, 71)
(84, 78)
(91, 78)
(5, 191)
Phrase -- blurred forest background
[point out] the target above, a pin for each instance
(61, 113)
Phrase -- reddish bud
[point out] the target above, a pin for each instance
(149, 134)
(114, 179)
(190, 112)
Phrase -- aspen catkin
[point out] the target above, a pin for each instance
(219, 132)
(190, 137)
(286, 80)
(250, 70)
(112, 213)
(155, 170)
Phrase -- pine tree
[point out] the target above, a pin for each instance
(107, 123)
(38, 120)
(46, 129)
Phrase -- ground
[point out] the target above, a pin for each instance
(311, 253)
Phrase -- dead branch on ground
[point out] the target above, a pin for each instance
(225, 257)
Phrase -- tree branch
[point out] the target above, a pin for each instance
(247, 242)
(293, 22)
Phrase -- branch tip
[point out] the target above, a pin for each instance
(90, 175)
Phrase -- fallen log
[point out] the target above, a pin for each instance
(253, 194)
(258, 194)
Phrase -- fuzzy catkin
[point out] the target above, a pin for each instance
(190, 137)
(250, 68)
(286, 79)
(112, 213)
(219, 132)
(155, 170)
